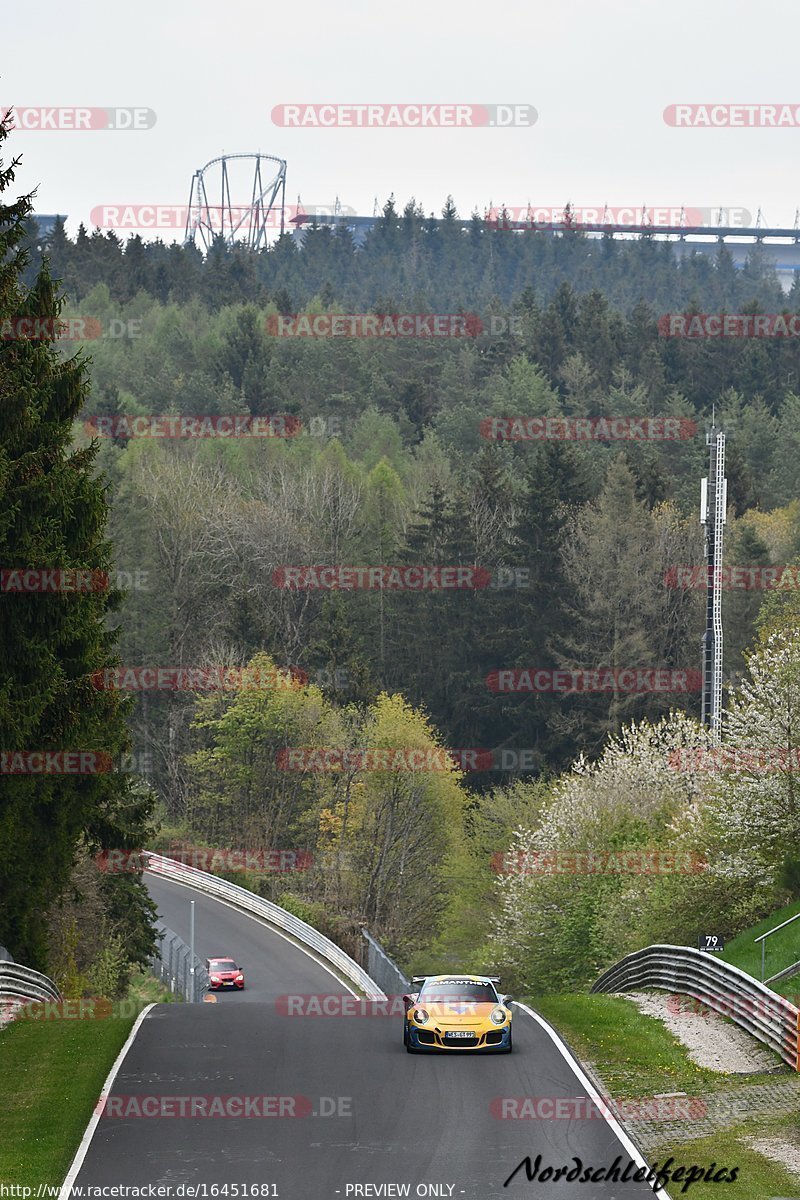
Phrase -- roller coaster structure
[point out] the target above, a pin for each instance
(246, 222)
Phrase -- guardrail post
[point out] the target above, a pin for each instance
(191, 951)
(797, 1062)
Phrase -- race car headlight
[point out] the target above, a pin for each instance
(499, 1016)
(421, 1016)
(215, 978)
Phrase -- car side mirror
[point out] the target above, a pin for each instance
(506, 999)
(410, 999)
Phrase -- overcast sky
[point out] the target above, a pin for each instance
(599, 75)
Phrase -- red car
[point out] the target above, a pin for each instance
(224, 973)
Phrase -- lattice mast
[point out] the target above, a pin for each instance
(713, 504)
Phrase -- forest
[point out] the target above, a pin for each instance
(239, 571)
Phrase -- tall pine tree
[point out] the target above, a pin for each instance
(53, 514)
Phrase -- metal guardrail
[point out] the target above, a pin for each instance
(383, 969)
(19, 985)
(172, 964)
(25, 983)
(272, 914)
(722, 987)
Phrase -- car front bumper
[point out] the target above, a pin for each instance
(484, 1041)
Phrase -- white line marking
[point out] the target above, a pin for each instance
(261, 921)
(83, 1148)
(80, 1153)
(584, 1079)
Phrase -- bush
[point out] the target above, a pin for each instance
(339, 929)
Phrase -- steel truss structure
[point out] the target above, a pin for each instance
(713, 504)
(246, 222)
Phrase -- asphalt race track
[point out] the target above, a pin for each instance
(356, 1110)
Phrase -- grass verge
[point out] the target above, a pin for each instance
(637, 1057)
(53, 1071)
(782, 949)
(758, 1178)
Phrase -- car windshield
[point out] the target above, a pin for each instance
(222, 964)
(458, 991)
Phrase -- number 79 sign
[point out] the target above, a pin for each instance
(711, 943)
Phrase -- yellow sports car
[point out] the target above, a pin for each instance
(457, 1012)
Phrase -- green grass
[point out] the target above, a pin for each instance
(782, 950)
(759, 1178)
(637, 1057)
(53, 1071)
(144, 988)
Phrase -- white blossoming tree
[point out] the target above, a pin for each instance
(758, 804)
(561, 919)
(730, 815)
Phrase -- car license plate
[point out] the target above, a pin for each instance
(459, 1033)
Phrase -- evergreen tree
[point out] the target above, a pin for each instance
(620, 616)
(740, 608)
(537, 611)
(54, 513)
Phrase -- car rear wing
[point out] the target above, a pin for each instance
(488, 978)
